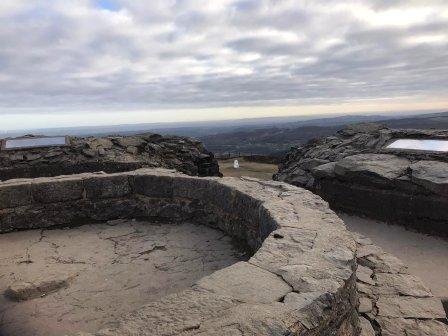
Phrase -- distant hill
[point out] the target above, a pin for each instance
(198, 128)
(277, 140)
(431, 121)
(262, 136)
(264, 141)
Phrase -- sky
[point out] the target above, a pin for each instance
(99, 62)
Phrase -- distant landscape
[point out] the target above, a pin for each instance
(259, 136)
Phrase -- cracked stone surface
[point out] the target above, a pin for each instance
(84, 278)
(393, 302)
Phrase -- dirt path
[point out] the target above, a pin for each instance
(426, 256)
(105, 271)
(263, 171)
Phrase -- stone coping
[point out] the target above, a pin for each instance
(300, 279)
(392, 301)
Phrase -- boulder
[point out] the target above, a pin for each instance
(432, 175)
(371, 167)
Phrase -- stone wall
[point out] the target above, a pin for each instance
(355, 172)
(392, 301)
(109, 154)
(300, 279)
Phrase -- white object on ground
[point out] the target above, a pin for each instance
(236, 164)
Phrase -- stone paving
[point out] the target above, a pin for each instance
(393, 302)
(61, 281)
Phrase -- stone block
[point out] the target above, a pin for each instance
(15, 195)
(410, 307)
(411, 327)
(400, 284)
(432, 175)
(246, 283)
(108, 186)
(152, 185)
(57, 190)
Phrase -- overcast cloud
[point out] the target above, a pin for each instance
(122, 54)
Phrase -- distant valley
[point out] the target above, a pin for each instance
(257, 136)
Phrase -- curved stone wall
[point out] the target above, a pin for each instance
(300, 280)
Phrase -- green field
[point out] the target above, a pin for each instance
(262, 171)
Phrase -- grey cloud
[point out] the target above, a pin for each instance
(194, 53)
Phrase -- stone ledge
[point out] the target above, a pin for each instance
(299, 281)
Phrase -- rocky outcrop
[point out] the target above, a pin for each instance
(109, 154)
(355, 172)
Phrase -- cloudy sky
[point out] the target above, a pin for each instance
(82, 62)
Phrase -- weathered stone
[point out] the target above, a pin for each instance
(107, 186)
(126, 142)
(378, 166)
(50, 191)
(364, 274)
(361, 240)
(433, 175)
(365, 305)
(300, 300)
(132, 150)
(366, 327)
(15, 195)
(383, 263)
(400, 284)
(325, 170)
(411, 327)
(21, 291)
(410, 307)
(367, 250)
(33, 156)
(233, 281)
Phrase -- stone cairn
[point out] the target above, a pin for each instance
(109, 154)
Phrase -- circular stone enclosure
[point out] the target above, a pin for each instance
(300, 279)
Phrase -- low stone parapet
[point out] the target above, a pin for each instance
(300, 279)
